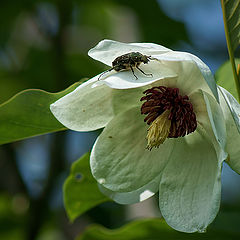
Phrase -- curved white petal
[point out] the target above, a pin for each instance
(138, 195)
(233, 106)
(120, 161)
(210, 119)
(190, 186)
(86, 108)
(190, 78)
(216, 118)
(169, 66)
(107, 50)
(176, 56)
(231, 109)
(122, 100)
(184, 75)
(126, 79)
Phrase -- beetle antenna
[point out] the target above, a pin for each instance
(105, 72)
(152, 58)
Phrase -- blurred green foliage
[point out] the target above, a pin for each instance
(80, 190)
(224, 77)
(44, 44)
(12, 216)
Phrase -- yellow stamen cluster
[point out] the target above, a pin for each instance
(158, 130)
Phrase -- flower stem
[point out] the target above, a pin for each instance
(230, 51)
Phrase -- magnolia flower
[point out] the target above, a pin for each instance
(164, 131)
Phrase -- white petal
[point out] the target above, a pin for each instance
(184, 56)
(122, 100)
(126, 79)
(210, 120)
(189, 192)
(217, 120)
(138, 195)
(107, 50)
(231, 109)
(119, 159)
(86, 108)
(177, 57)
(233, 106)
(184, 74)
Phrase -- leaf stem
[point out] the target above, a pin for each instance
(230, 50)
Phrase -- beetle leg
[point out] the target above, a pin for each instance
(133, 73)
(147, 74)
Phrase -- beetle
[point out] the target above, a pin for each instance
(129, 61)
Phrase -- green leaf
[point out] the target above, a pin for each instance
(27, 114)
(149, 229)
(232, 11)
(224, 77)
(231, 19)
(80, 189)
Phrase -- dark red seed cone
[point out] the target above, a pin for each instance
(159, 99)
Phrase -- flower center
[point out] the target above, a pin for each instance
(169, 114)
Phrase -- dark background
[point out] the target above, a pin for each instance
(44, 44)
